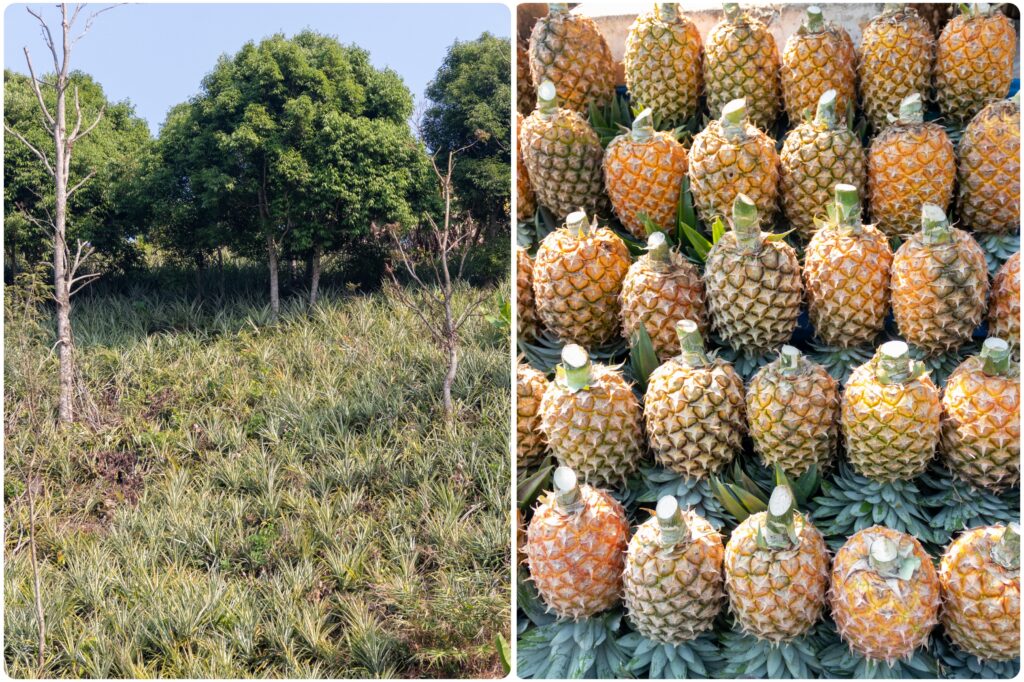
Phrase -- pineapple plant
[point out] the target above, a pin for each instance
(693, 409)
(939, 285)
(662, 63)
(752, 283)
(816, 156)
(660, 289)
(643, 170)
(793, 413)
(974, 61)
(562, 155)
(591, 419)
(576, 547)
(570, 51)
(818, 57)
(989, 169)
(980, 578)
(526, 202)
(673, 575)
(530, 388)
(910, 163)
(1004, 307)
(890, 416)
(897, 51)
(527, 325)
(741, 61)
(885, 594)
(981, 418)
(526, 94)
(577, 278)
(731, 157)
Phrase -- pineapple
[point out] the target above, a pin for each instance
(793, 413)
(974, 61)
(741, 60)
(939, 285)
(530, 388)
(776, 571)
(980, 577)
(591, 419)
(729, 157)
(577, 278)
(527, 326)
(897, 50)
(910, 163)
(526, 95)
(569, 50)
(752, 281)
(576, 547)
(885, 594)
(693, 409)
(673, 576)
(890, 416)
(526, 202)
(819, 56)
(815, 157)
(981, 418)
(643, 170)
(1004, 309)
(662, 63)
(989, 169)
(660, 289)
(562, 155)
(846, 275)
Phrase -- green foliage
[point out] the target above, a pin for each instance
(748, 657)
(574, 650)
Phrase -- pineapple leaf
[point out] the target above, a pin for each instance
(779, 236)
(699, 244)
(649, 226)
(504, 651)
(717, 230)
(685, 213)
(642, 358)
(530, 488)
(737, 501)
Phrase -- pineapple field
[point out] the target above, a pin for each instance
(768, 321)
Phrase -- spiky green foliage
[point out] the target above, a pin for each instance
(574, 650)
(697, 659)
(749, 657)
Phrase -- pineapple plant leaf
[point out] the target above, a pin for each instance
(587, 648)
(531, 485)
(956, 505)
(839, 661)
(530, 604)
(610, 120)
(998, 248)
(840, 362)
(737, 500)
(697, 659)
(504, 650)
(699, 246)
(685, 213)
(954, 663)
(749, 657)
(642, 358)
(546, 351)
(650, 483)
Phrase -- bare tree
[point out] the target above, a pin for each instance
(66, 278)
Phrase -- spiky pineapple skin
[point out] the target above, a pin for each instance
(1004, 308)
(526, 95)
(897, 51)
(776, 594)
(973, 63)
(644, 178)
(753, 299)
(595, 431)
(673, 595)
(891, 431)
(662, 64)
(846, 280)
(989, 170)
(694, 416)
(741, 59)
(794, 419)
(720, 169)
(570, 51)
(909, 164)
(530, 387)
(576, 560)
(981, 425)
(576, 285)
(526, 201)
(875, 620)
(813, 63)
(526, 311)
(660, 295)
(981, 599)
(563, 157)
(939, 291)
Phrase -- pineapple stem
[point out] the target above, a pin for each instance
(746, 223)
(815, 22)
(547, 98)
(667, 11)
(883, 557)
(577, 221)
(996, 354)
(733, 115)
(731, 11)
(643, 125)
(894, 364)
(912, 109)
(848, 207)
(567, 491)
(657, 248)
(934, 225)
(576, 363)
(691, 343)
(789, 360)
(671, 522)
(558, 7)
(1006, 552)
(779, 531)
(826, 114)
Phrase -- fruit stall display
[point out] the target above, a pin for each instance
(768, 314)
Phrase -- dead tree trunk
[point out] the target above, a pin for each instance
(314, 275)
(275, 292)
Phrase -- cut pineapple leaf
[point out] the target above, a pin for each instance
(698, 242)
(533, 484)
(642, 358)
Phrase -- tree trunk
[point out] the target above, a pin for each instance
(200, 266)
(220, 270)
(449, 379)
(275, 295)
(61, 283)
(314, 275)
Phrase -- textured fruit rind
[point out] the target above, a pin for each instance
(571, 52)
(526, 202)
(526, 310)
(813, 63)
(989, 170)
(1004, 308)
(526, 95)
(721, 168)
(974, 63)
(895, 60)
(660, 295)
(644, 178)
(662, 65)
(530, 387)
(741, 59)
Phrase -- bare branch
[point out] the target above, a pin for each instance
(78, 185)
(47, 38)
(38, 154)
(48, 120)
(88, 21)
(77, 136)
(47, 224)
(86, 281)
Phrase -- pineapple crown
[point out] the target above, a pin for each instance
(895, 366)
(691, 344)
(547, 98)
(643, 125)
(575, 368)
(779, 528)
(558, 7)
(671, 522)
(934, 225)
(995, 353)
(1006, 552)
(746, 223)
(568, 499)
(891, 561)
(814, 22)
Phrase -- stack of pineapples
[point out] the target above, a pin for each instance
(768, 307)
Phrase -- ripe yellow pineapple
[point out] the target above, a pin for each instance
(526, 202)
(661, 289)
(974, 61)
(673, 575)
(980, 577)
(570, 51)
(776, 571)
(939, 284)
(890, 416)
(530, 387)
(910, 163)
(693, 409)
(1004, 308)
(591, 419)
(885, 594)
(526, 94)
(643, 170)
(575, 548)
(577, 278)
(526, 311)
(662, 63)
(989, 169)
(819, 56)
(981, 418)
(741, 61)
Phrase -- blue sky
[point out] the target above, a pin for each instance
(156, 54)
